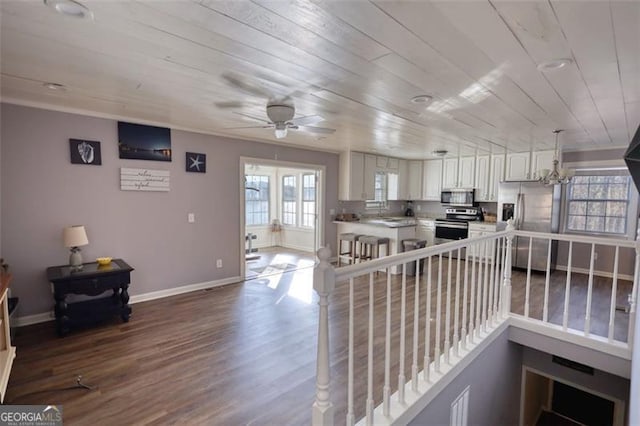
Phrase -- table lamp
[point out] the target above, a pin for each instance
(74, 237)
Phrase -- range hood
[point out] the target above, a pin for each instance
(632, 158)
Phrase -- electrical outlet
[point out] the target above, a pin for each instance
(191, 218)
(219, 263)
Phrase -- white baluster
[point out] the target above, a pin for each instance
(496, 292)
(545, 304)
(456, 313)
(614, 293)
(485, 286)
(505, 294)
(370, 406)
(633, 299)
(478, 295)
(416, 329)
(350, 414)
(323, 283)
(403, 302)
(527, 291)
(447, 312)
(464, 300)
(472, 292)
(567, 290)
(436, 355)
(427, 326)
(491, 261)
(587, 317)
(386, 391)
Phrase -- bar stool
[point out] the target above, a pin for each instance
(370, 247)
(352, 240)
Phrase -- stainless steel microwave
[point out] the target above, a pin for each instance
(458, 197)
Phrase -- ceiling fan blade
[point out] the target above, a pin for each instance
(319, 130)
(252, 117)
(245, 86)
(248, 127)
(309, 119)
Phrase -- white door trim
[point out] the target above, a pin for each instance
(319, 169)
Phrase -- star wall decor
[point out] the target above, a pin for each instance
(196, 163)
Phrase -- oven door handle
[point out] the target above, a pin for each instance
(451, 225)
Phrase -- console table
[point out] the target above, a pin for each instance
(92, 280)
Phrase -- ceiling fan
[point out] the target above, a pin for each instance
(281, 119)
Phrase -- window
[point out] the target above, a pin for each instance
(308, 200)
(256, 200)
(289, 197)
(598, 204)
(379, 192)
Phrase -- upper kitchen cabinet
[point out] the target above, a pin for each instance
(518, 166)
(541, 160)
(458, 172)
(450, 173)
(466, 172)
(432, 180)
(483, 168)
(414, 180)
(496, 176)
(357, 176)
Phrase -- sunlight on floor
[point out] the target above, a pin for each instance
(301, 286)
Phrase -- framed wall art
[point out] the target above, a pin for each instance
(85, 152)
(141, 142)
(196, 163)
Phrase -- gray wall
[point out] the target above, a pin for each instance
(494, 395)
(42, 192)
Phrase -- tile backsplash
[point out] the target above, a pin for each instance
(397, 208)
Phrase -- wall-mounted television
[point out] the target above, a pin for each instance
(140, 142)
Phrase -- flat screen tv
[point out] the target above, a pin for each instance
(140, 142)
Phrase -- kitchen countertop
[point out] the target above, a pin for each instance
(385, 222)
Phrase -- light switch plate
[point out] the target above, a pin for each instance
(191, 217)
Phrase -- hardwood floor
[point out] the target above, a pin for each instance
(276, 260)
(240, 354)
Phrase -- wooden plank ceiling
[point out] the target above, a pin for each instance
(208, 65)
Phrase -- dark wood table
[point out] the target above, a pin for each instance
(92, 280)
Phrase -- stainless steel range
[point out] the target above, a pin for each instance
(456, 224)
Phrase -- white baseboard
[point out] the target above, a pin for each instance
(32, 319)
(605, 274)
(136, 298)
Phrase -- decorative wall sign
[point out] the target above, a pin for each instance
(196, 162)
(144, 180)
(140, 142)
(85, 152)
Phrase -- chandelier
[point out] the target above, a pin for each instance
(556, 175)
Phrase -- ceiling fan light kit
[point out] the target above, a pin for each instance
(70, 8)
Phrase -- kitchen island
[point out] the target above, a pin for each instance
(396, 229)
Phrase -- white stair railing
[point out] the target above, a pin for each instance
(471, 295)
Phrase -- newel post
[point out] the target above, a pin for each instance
(506, 281)
(323, 283)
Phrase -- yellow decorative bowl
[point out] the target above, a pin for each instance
(103, 261)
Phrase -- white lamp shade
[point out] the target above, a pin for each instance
(74, 236)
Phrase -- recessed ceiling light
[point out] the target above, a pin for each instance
(54, 86)
(554, 64)
(421, 99)
(70, 8)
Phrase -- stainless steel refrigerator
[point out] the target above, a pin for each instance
(533, 207)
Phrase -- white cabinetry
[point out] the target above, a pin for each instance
(414, 180)
(466, 172)
(426, 230)
(496, 176)
(403, 179)
(541, 160)
(483, 167)
(518, 166)
(481, 251)
(432, 180)
(357, 176)
(450, 173)
(458, 172)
